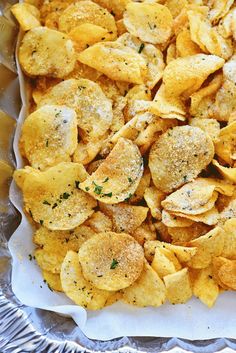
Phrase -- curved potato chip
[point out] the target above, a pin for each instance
(210, 217)
(227, 273)
(152, 56)
(83, 71)
(153, 198)
(49, 136)
(46, 52)
(116, 61)
(49, 261)
(176, 6)
(208, 246)
(27, 15)
(171, 220)
(111, 261)
(142, 186)
(229, 210)
(53, 197)
(225, 146)
(184, 76)
(219, 9)
(178, 287)
(205, 288)
(151, 22)
(209, 126)
(183, 234)
(148, 290)
(178, 156)
(53, 281)
(162, 264)
(87, 34)
(229, 250)
(125, 218)
(87, 12)
(115, 7)
(93, 109)
(184, 44)
(217, 262)
(86, 152)
(99, 222)
(117, 178)
(77, 288)
(228, 173)
(162, 232)
(144, 233)
(227, 26)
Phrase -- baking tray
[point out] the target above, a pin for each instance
(25, 329)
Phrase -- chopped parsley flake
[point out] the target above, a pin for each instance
(109, 194)
(97, 189)
(65, 195)
(87, 188)
(114, 264)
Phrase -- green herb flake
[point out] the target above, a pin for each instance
(65, 195)
(141, 48)
(114, 264)
(47, 143)
(97, 189)
(109, 194)
(41, 222)
(87, 188)
(105, 180)
(130, 180)
(129, 197)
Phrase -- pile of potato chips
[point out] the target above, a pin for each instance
(130, 147)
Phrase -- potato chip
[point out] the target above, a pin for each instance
(118, 120)
(208, 246)
(87, 34)
(93, 109)
(227, 26)
(176, 6)
(83, 71)
(207, 37)
(171, 53)
(46, 52)
(227, 173)
(184, 44)
(148, 290)
(178, 156)
(226, 143)
(219, 9)
(172, 257)
(210, 126)
(229, 210)
(49, 136)
(184, 76)
(217, 263)
(87, 12)
(125, 218)
(152, 56)
(205, 288)
(162, 232)
(171, 220)
(86, 152)
(53, 197)
(162, 265)
(144, 233)
(27, 15)
(146, 21)
(111, 261)
(99, 222)
(53, 281)
(49, 261)
(153, 198)
(142, 186)
(229, 249)
(210, 217)
(183, 253)
(117, 178)
(178, 287)
(116, 61)
(77, 288)
(121, 29)
(227, 273)
(185, 234)
(115, 7)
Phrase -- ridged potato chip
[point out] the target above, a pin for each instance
(111, 261)
(185, 234)
(117, 178)
(87, 12)
(208, 246)
(49, 136)
(178, 287)
(151, 22)
(152, 56)
(77, 288)
(125, 218)
(162, 264)
(46, 52)
(53, 197)
(205, 288)
(148, 290)
(226, 143)
(27, 15)
(53, 281)
(93, 109)
(116, 61)
(153, 198)
(184, 76)
(178, 156)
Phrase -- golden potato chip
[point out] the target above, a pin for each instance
(84, 71)
(77, 288)
(184, 44)
(121, 29)
(205, 288)
(46, 52)
(229, 210)
(217, 263)
(171, 220)
(152, 56)
(53, 6)
(225, 144)
(171, 53)
(151, 22)
(178, 156)
(142, 186)
(111, 261)
(27, 15)
(117, 178)
(53, 197)
(183, 253)
(172, 257)
(153, 198)
(207, 37)
(185, 234)
(87, 12)
(227, 26)
(176, 6)
(93, 109)
(116, 61)
(148, 290)
(162, 232)
(227, 273)
(87, 34)
(118, 120)
(162, 265)
(210, 126)
(99, 222)
(86, 152)
(49, 261)
(210, 217)
(208, 246)
(109, 87)
(53, 281)
(94, 166)
(229, 249)
(227, 173)
(125, 218)
(144, 233)
(178, 287)
(115, 7)
(184, 76)
(219, 8)
(49, 136)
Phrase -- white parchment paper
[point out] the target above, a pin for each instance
(190, 321)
